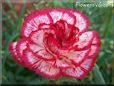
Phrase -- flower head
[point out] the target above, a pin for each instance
(55, 42)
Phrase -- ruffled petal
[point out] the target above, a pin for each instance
(37, 37)
(47, 70)
(42, 67)
(29, 58)
(40, 52)
(12, 49)
(32, 21)
(78, 57)
(76, 72)
(56, 14)
(62, 63)
(69, 17)
(21, 46)
(95, 47)
(82, 21)
(89, 62)
(86, 66)
(85, 41)
(62, 14)
(94, 51)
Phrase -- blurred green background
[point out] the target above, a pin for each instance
(102, 20)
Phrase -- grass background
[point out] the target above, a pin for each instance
(101, 18)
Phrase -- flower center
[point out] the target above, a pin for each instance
(61, 36)
(65, 33)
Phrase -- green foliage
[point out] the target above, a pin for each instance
(101, 20)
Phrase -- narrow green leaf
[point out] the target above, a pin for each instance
(21, 16)
(12, 8)
(98, 75)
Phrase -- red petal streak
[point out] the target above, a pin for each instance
(47, 70)
(87, 65)
(76, 72)
(78, 56)
(82, 69)
(40, 52)
(82, 21)
(51, 44)
(45, 55)
(12, 48)
(62, 14)
(85, 40)
(29, 58)
(56, 14)
(21, 46)
(44, 26)
(68, 17)
(37, 37)
(94, 51)
(34, 47)
(62, 63)
(90, 60)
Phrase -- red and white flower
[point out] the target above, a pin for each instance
(55, 42)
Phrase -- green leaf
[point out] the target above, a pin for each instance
(98, 75)
(21, 16)
(12, 8)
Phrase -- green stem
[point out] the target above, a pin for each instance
(98, 75)
(15, 37)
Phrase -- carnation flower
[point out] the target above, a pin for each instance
(56, 42)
